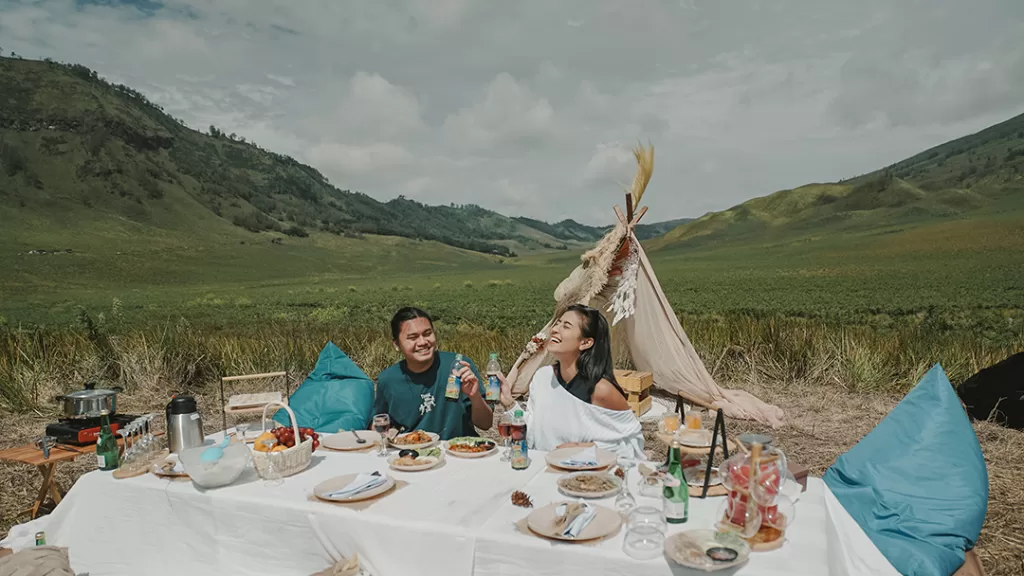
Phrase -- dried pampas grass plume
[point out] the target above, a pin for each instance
(644, 170)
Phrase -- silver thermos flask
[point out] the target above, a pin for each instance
(184, 424)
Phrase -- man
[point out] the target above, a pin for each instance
(412, 392)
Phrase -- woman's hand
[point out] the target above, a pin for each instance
(506, 390)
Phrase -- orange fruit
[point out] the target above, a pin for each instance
(279, 448)
(259, 446)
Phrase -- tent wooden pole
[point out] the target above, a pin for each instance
(639, 215)
(629, 207)
(622, 218)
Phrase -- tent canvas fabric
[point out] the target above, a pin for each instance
(617, 278)
(336, 395)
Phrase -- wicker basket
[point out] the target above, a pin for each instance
(286, 462)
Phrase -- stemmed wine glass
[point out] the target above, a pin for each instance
(625, 502)
(505, 430)
(381, 423)
(129, 451)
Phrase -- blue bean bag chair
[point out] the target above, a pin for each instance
(917, 484)
(336, 395)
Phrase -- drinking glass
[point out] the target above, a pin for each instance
(670, 423)
(273, 474)
(644, 542)
(505, 430)
(240, 430)
(381, 423)
(625, 502)
(693, 420)
(647, 516)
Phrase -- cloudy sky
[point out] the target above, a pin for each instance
(530, 106)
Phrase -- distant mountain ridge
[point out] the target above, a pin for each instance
(982, 173)
(73, 144)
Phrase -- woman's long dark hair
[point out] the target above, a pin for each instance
(595, 362)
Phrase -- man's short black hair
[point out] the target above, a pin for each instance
(404, 315)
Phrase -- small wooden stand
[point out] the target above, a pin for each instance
(719, 424)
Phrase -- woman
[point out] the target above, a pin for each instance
(577, 401)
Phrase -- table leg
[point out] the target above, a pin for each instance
(46, 471)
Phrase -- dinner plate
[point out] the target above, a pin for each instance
(678, 548)
(541, 521)
(327, 486)
(434, 461)
(456, 453)
(581, 494)
(555, 457)
(433, 440)
(345, 440)
(693, 438)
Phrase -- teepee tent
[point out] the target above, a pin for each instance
(617, 278)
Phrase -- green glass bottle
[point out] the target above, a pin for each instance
(676, 493)
(107, 455)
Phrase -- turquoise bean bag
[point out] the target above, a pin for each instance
(336, 395)
(917, 484)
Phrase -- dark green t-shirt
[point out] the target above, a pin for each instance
(417, 401)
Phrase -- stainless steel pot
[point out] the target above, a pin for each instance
(90, 402)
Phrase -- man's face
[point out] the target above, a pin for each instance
(417, 341)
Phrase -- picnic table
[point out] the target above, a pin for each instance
(33, 456)
(455, 519)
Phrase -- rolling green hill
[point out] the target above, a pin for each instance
(75, 149)
(978, 177)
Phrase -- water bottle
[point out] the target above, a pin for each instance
(493, 393)
(451, 391)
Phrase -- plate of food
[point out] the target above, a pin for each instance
(589, 485)
(707, 550)
(169, 467)
(409, 460)
(349, 440)
(471, 447)
(415, 440)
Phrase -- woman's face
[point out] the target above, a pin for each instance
(567, 336)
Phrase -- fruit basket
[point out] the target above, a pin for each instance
(289, 461)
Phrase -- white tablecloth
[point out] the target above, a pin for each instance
(456, 519)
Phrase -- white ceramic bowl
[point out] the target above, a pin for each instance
(215, 474)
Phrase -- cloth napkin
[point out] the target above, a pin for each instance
(585, 457)
(580, 522)
(362, 482)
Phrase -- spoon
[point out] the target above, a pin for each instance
(358, 439)
(214, 453)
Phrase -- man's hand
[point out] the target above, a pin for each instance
(470, 383)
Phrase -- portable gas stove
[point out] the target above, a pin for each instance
(84, 431)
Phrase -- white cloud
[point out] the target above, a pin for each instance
(508, 113)
(530, 107)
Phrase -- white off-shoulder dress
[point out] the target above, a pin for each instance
(554, 416)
